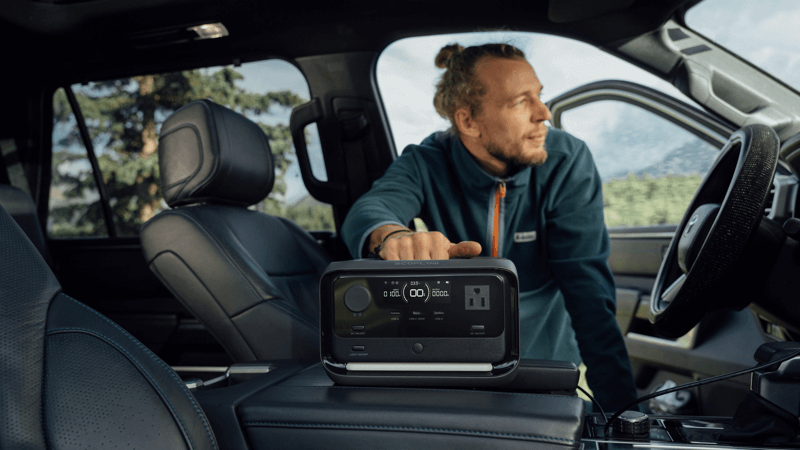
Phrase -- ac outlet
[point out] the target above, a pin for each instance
(477, 297)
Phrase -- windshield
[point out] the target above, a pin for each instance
(407, 75)
(764, 32)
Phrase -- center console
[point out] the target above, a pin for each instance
(428, 357)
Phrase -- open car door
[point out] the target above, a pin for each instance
(652, 152)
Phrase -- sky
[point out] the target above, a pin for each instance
(406, 77)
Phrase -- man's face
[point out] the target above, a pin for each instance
(512, 119)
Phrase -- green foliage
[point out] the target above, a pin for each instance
(123, 117)
(642, 201)
(308, 213)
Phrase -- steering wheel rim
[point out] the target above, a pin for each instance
(722, 217)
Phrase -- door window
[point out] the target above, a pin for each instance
(650, 167)
(407, 76)
(75, 207)
(124, 117)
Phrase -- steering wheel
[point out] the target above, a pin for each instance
(723, 216)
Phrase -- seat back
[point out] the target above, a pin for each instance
(250, 278)
(74, 379)
(22, 209)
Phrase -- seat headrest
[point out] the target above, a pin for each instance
(208, 153)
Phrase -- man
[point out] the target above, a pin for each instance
(501, 178)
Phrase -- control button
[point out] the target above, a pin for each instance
(357, 298)
(477, 328)
(358, 348)
(417, 348)
(394, 313)
(358, 327)
(632, 423)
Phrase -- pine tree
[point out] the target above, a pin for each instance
(123, 117)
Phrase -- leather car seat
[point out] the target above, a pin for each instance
(71, 378)
(251, 278)
(22, 209)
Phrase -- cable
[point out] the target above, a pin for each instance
(695, 384)
(594, 402)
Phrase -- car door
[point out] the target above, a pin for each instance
(652, 152)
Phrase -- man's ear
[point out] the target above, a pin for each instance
(466, 124)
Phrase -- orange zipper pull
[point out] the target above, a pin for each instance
(499, 193)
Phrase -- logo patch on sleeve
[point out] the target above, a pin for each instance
(525, 236)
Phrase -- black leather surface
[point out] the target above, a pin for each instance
(308, 411)
(98, 374)
(81, 413)
(74, 379)
(208, 153)
(220, 404)
(26, 287)
(21, 207)
(252, 279)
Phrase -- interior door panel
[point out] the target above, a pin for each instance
(639, 243)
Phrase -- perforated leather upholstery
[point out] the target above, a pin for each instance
(74, 379)
(21, 207)
(251, 278)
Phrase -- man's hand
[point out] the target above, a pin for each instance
(404, 244)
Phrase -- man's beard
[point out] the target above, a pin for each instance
(516, 163)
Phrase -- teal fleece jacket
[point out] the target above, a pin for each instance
(552, 228)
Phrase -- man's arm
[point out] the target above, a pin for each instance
(579, 247)
(374, 221)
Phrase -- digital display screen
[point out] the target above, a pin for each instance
(445, 305)
(413, 291)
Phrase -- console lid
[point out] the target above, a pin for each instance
(309, 411)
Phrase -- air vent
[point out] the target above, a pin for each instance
(780, 203)
(769, 205)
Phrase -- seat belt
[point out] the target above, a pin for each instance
(3, 172)
(14, 173)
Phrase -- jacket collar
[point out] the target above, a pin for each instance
(470, 173)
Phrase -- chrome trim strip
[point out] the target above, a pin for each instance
(261, 368)
(221, 369)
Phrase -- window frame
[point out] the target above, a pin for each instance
(105, 197)
(699, 123)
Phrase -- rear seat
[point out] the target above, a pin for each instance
(21, 207)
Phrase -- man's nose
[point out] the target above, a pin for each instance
(540, 112)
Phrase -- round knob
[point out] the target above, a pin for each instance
(792, 228)
(632, 423)
(357, 298)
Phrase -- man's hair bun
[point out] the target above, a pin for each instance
(443, 58)
(459, 86)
